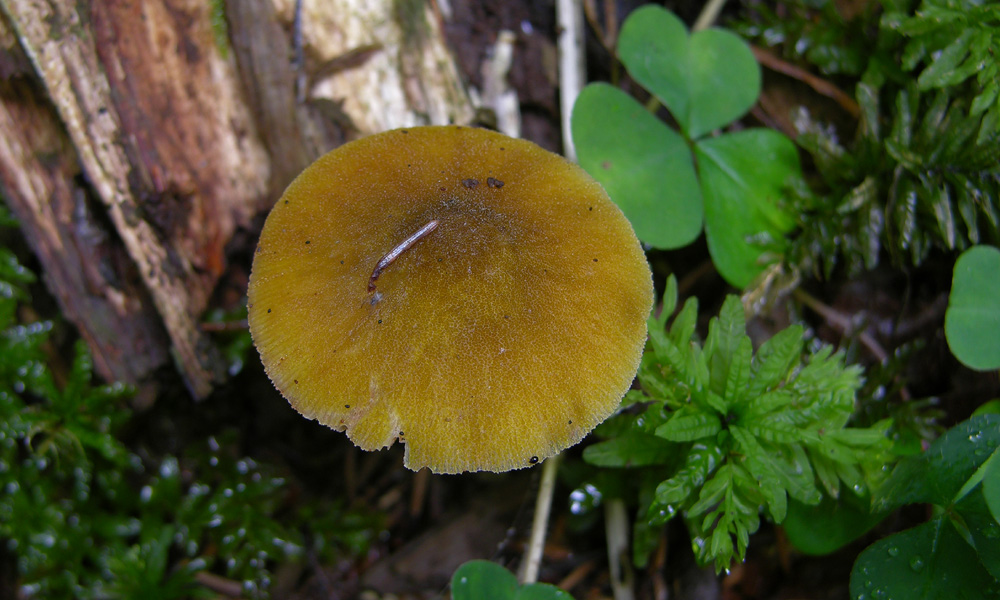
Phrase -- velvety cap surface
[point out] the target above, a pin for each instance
(497, 339)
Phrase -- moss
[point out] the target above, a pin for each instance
(220, 27)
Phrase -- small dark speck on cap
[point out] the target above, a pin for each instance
(341, 262)
(286, 201)
(534, 459)
(308, 242)
(470, 183)
(269, 310)
(347, 406)
(595, 260)
(295, 380)
(380, 320)
(493, 182)
(571, 421)
(403, 131)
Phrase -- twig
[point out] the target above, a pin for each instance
(708, 15)
(577, 575)
(704, 268)
(820, 85)
(497, 92)
(608, 33)
(656, 567)
(543, 505)
(419, 494)
(219, 584)
(841, 322)
(572, 69)
(572, 74)
(299, 60)
(217, 326)
(616, 529)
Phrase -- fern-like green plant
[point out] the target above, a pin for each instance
(953, 40)
(737, 432)
(921, 171)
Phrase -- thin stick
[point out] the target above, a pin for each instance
(213, 326)
(572, 68)
(299, 61)
(708, 15)
(543, 505)
(841, 322)
(403, 246)
(616, 529)
(219, 584)
(818, 84)
(572, 76)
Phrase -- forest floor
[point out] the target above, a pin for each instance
(434, 523)
(430, 524)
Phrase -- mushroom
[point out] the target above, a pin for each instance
(474, 296)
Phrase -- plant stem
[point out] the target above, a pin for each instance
(841, 322)
(708, 15)
(572, 68)
(616, 528)
(543, 505)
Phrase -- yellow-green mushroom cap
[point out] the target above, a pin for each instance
(495, 339)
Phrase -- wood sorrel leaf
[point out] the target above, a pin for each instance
(972, 322)
(938, 474)
(926, 562)
(743, 176)
(707, 79)
(645, 166)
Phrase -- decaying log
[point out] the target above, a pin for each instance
(86, 267)
(135, 89)
(178, 126)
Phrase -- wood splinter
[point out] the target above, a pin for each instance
(403, 246)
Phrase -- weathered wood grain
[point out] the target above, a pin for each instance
(172, 128)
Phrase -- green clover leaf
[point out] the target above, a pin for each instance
(972, 322)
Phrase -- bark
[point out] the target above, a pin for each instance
(86, 267)
(139, 136)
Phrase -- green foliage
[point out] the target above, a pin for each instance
(826, 527)
(954, 40)
(485, 580)
(922, 170)
(220, 27)
(86, 517)
(730, 182)
(817, 33)
(973, 318)
(749, 430)
(914, 421)
(706, 79)
(956, 554)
